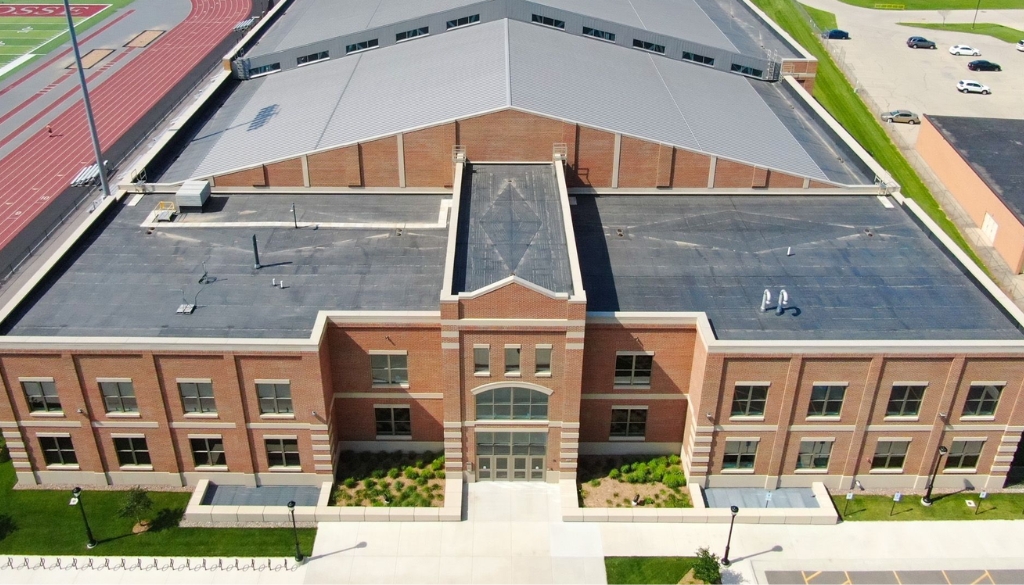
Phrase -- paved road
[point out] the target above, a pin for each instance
(924, 80)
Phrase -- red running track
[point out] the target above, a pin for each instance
(42, 167)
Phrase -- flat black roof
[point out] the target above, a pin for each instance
(510, 222)
(124, 279)
(858, 270)
(994, 147)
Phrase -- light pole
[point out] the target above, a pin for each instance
(76, 499)
(976, 9)
(927, 499)
(88, 106)
(295, 531)
(725, 558)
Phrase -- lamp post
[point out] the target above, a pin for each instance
(76, 499)
(927, 499)
(976, 9)
(295, 531)
(725, 558)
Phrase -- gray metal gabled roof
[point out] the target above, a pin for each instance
(484, 68)
(682, 19)
(307, 21)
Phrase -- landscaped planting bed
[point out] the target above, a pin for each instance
(615, 481)
(395, 479)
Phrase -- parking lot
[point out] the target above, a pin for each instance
(950, 577)
(922, 80)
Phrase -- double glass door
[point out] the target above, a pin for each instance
(510, 456)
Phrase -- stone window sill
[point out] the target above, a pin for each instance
(124, 415)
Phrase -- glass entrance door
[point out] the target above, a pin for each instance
(513, 456)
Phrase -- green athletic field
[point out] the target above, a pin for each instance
(38, 35)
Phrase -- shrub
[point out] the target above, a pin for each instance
(429, 474)
(422, 480)
(135, 504)
(674, 459)
(707, 568)
(418, 464)
(614, 474)
(437, 464)
(411, 473)
(637, 477)
(440, 474)
(595, 482)
(674, 480)
(377, 474)
(625, 469)
(369, 483)
(350, 482)
(399, 484)
(394, 472)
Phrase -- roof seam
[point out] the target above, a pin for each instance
(341, 96)
(642, 23)
(508, 68)
(674, 102)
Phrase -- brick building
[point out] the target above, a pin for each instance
(551, 243)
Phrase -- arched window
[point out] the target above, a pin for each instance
(511, 403)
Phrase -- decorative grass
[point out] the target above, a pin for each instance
(647, 569)
(836, 94)
(1003, 506)
(37, 522)
(615, 481)
(393, 479)
(996, 31)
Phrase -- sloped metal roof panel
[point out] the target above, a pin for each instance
(307, 21)
(684, 19)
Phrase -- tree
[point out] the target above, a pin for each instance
(136, 503)
(943, 14)
(707, 568)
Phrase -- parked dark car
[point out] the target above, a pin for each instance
(983, 65)
(835, 33)
(920, 43)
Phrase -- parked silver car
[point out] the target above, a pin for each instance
(901, 117)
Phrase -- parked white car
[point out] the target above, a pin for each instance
(1020, 46)
(968, 86)
(964, 50)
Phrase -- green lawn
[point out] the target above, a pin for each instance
(996, 31)
(942, 4)
(647, 569)
(47, 33)
(1005, 506)
(834, 92)
(822, 18)
(41, 523)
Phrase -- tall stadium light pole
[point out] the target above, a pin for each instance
(88, 106)
(976, 9)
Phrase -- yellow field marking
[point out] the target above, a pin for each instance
(897, 575)
(946, 577)
(848, 581)
(983, 575)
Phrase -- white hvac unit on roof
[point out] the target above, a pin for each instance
(192, 194)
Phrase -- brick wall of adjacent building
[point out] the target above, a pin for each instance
(972, 193)
(286, 173)
(428, 156)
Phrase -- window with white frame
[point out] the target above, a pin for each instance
(542, 362)
(511, 404)
(208, 451)
(648, 46)
(313, 57)
(548, 21)
(890, 455)
(633, 369)
(964, 454)
(599, 34)
(481, 359)
(628, 422)
(905, 400)
(411, 34)
(826, 400)
(393, 421)
(58, 451)
(982, 399)
(118, 396)
(282, 452)
(749, 399)
(696, 58)
(360, 46)
(197, 397)
(275, 397)
(389, 369)
(264, 69)
(41, 395)
(512, 366)
(739, 454)
(132, 451)
(814, 455)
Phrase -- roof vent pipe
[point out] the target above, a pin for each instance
(783, 301)
(765, 299)
(256, 253)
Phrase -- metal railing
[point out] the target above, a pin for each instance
(41, 563)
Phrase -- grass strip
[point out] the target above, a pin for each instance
(836, 95)
(823, 19)
(941, 4)
(996, 31)
(37, 522)
(1004, 506)
(647, 569)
